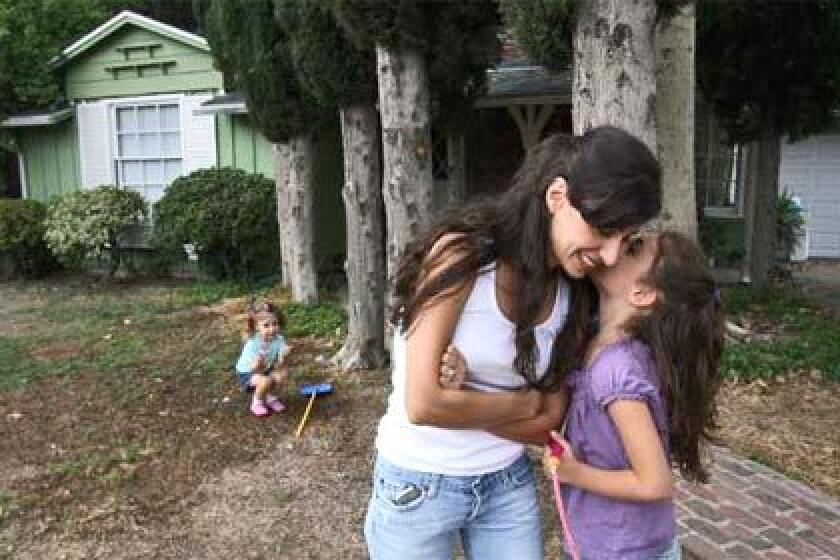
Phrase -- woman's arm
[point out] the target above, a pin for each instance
(648, 479)
(427, 403)
(537, 430)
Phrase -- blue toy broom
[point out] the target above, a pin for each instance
(311, 390)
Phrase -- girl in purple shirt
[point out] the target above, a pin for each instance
(641, 399)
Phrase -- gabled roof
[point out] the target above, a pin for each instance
(127, 17)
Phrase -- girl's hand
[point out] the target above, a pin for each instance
(453, 369)
(259, 363)
(566, 465)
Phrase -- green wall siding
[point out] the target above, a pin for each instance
(240, 145)
(188, 68)
(51, 159)
(330, 238)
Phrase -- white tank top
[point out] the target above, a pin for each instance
(485, 337)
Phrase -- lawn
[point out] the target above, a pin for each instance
(787, 334)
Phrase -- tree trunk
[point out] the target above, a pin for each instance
(407, 183)
(614, 80)
(281, 168)
(456, 161)
(296, 199)
(365, 265)
(762, 193)
(675, 120)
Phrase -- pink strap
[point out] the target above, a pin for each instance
(564, 521)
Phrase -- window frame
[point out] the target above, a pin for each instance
(736, 186)
(118, 160)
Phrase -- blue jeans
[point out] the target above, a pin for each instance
(417, 515)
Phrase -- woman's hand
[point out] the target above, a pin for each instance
(453, 369)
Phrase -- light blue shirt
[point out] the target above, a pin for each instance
(253, 347)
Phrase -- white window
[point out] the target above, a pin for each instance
(148, 147)
(724, 182)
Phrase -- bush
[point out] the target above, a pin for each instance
(89, 223)
(723, 241)
(22, 237)
(790, 225)
(227, 215)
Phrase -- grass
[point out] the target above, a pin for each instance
(114, 329)
(8, 503)
(804, 338)
(763, 458)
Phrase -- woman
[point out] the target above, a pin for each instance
(497, 280)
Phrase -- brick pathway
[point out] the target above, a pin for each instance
(751, 511)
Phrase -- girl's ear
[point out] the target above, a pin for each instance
(642, 296)
(556, 195)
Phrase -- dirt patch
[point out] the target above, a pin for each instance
(61, 351)
(789, 423)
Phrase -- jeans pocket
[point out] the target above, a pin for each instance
(400, 495)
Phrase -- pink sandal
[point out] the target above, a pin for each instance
(275, 404)
(259, 409)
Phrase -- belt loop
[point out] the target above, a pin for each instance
(433, 484)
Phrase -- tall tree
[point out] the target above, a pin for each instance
(769, 68)
(252, 48)
(31, 34)
(624, 56)
(420, 45)
(675, 86)
(614, 80)
(340, 75)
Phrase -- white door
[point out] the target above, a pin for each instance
(810, 170)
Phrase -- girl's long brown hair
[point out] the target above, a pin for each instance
(613, 181)
(685, 332)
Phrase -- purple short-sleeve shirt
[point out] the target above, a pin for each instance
(607, 528)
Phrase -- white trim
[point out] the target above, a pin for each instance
(37, 120)
(153, 99)
(236, 108)
(123, 18)
(113, 142)
(24, 188)
(80, 151)
(107, 148)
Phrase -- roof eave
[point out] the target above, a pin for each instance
(46, 119)
(223, 108)
(116, 22)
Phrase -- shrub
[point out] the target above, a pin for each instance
(22, 237)
(227, 215)
(89, 223)
(790, 225)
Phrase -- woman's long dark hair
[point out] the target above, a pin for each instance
(685, 332)
(613, 181)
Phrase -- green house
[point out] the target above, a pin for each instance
(143, 105)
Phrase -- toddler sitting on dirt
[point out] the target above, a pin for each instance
(258, 369)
